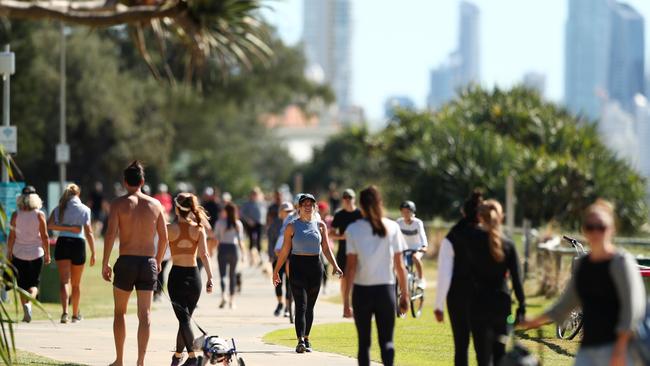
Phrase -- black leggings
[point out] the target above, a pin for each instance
(228, 256)
(458, 307)
(161, 278)
(306, 276)
(379, 301)
(255, 234)
(184, 286)
(278, 289)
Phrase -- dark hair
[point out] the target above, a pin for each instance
(188, 203)
(232, 215)
(372, 206)
(471, 205)
(134, 174)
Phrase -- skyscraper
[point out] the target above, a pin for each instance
(536, 81)
(327, 34)
(587, 51)
(462, 67)
(468, 44)
(626, 56)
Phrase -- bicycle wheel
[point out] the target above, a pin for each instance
(571, 326)
(397, 293)
(417, 300)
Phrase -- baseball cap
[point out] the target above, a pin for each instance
(286, 206)
(29, 190)
(349, 193)
(306, 196)
(323, 206)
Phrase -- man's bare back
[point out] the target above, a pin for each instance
(138, 217)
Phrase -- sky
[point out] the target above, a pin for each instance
(396, 44)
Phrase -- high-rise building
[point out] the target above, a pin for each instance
(536, 81)
(587, 51)
(626, 56)
(327, 35)
(462, 67)
(468, 44)
(617, 130)
(397, 102)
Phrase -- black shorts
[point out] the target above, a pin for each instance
(135, 271)
(72, 249)
(28, 273)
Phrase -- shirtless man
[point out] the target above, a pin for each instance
(137, 218)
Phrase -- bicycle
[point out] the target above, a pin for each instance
(570, 328)
(416, 293)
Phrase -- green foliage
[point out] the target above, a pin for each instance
(559, 163)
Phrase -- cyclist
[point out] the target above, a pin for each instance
(416, 238)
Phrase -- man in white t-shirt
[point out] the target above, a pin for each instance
(416, 238)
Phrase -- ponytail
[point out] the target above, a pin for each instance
(71, 190)
(187, 204)
(490, 214)
(232, 216)
(372, 205)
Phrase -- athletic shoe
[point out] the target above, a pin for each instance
(27, 309)
(307, 345)
(300, 348)
(222, 304)
(176, 360)
(65, 318)
(191, 362)
(422, 283)
(278, 309)
(286, 313)
(77, 318)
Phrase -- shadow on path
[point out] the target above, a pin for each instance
(553, 347)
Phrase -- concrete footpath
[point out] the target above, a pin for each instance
(90, 342)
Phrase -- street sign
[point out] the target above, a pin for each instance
(9, 139)
(62, 153)
(8, 193)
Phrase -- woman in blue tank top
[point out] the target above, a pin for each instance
(304, 239)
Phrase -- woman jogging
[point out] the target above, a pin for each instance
(454, 277)
(416, 238)
(229, 232)
(28, 248)
(304, 239)
(187, 237)
(374, 249)
(70, 249)
(492, 261)
(607, 285)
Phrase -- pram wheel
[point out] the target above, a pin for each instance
(241, 362)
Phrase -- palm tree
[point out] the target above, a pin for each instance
(227, 31)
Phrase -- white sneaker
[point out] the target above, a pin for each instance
(27, 309)
(422, 283)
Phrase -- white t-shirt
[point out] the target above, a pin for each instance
(414, 233)
(374, 254)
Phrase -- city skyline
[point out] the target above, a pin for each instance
(391, 44)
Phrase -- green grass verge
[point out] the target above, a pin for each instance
(96, 295)
(28, 358)
(423, 341)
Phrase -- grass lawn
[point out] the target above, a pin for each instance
(27, 358)
(423, 341)
(96, 294)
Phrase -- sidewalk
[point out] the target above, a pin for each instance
(91, 341)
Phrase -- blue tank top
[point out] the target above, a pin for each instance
(306, 238)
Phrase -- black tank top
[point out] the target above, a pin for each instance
(600, 303)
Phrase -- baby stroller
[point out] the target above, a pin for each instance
(217, 351)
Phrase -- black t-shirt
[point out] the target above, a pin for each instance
(213, 209)
(600, 303)
(342, 219)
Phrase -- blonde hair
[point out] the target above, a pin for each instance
(490, 212)
(29, 202)
(71, 190)
(604, 209)
(188, 207)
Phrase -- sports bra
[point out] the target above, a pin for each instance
(185, 239)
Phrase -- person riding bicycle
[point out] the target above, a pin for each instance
(416, 238)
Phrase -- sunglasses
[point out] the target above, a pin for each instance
(347, 197)
(591, 227)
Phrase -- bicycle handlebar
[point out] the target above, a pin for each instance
(576, 244)
(413, 251)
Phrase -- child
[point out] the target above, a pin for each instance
(416, 238)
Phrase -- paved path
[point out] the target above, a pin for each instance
(90, 342)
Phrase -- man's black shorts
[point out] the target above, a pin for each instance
(73, 249)
(135, 271)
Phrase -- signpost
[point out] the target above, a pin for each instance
(9, 139)
(9, 191)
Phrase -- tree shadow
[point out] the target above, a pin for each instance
(553, 347)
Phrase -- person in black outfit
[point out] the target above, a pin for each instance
(210, 203)
(454, 277)
(342, 218)
(492, 260)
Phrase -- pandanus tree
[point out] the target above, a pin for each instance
(227, 32)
